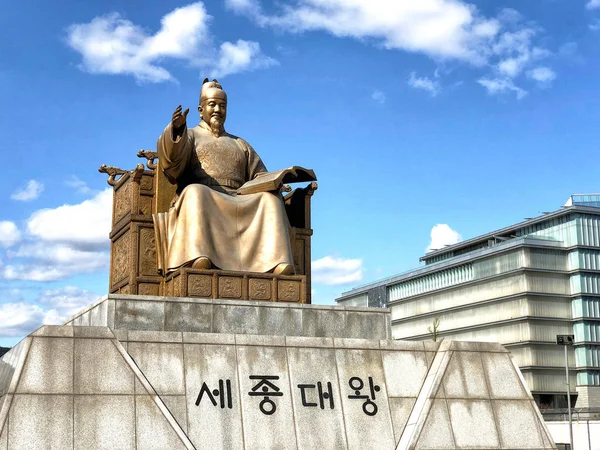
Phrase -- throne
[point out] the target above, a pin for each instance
(144, 191)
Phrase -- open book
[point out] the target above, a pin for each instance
(271, 181)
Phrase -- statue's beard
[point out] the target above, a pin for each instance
(216, 125)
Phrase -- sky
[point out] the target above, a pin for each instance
(426, 122)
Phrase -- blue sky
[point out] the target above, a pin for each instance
(448, 117)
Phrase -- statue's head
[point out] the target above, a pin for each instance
(213, 105)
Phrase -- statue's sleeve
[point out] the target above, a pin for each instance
(255, 164)
(174, 154)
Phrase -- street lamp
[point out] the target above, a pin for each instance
(566, 340)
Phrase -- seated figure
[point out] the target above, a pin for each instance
(209, 224)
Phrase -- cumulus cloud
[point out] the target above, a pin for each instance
(31, 191)
(79, 185)
(501, 85)
(62, 242)
(9, 234)
(111, 44)
(19, 319)
(442, 235)
(52, 307)
(593, 4)
(63, 303)
(85, 224)
(51, 261)
(440, 29)
(378, 96)
(243, 55)
(331, 270)
(424, 83)
(543, 75)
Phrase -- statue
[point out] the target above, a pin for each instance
(209, 225)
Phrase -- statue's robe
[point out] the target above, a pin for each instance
(236, 232)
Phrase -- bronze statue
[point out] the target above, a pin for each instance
(209, 225)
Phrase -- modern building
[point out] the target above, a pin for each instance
(521, 286)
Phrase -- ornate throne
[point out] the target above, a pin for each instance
(143, 191)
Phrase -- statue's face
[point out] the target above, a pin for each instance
(213, 110)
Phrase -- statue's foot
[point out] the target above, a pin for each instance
(202, 263)
(284, 269)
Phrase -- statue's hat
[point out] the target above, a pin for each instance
(211, 89)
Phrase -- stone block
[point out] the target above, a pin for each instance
(473, 424)
(367, 420)
(53, 331)
(318, 425)
(365, 325)
(152, 430)
(93, 332)
(235, 319)
(154, 336)
(465, 377)
(4, 438)
(503, 379)
(404, 372)
(100, 368)
(182, 316)
(372, 344)
(518, 425)
(268, 420)
(177, 406)
(324, 323)
(104, 422)
(140, 315)
(301, 341)
(208, 338)
(49, 367)
(162, 364)
(40, 422)
(210, 367)
(260, 340)
(436, 432)
(395, 344)
(400, 409)
(98, 314)
(280, 321)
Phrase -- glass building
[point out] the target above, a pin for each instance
(521, 286)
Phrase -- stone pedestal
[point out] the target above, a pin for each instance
(137, 372)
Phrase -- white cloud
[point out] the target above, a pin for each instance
(111, 44)
(79, 185)
(239, 57)
(440, 29)
(64, 302)
(19, 319)
(442, 235)
(500, 86)
(52, 307)
(333, 271)
(424, 83)
(593, 4)
(378, 96)
(31, 191)
(9, 234)
(47, 261)
(595, 25)
(543, 75)
(84, 224)
(62, 242)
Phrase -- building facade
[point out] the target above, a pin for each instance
(521, 286)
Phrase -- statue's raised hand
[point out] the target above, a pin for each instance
(179, 118)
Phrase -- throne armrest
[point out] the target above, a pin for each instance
(297, 205)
